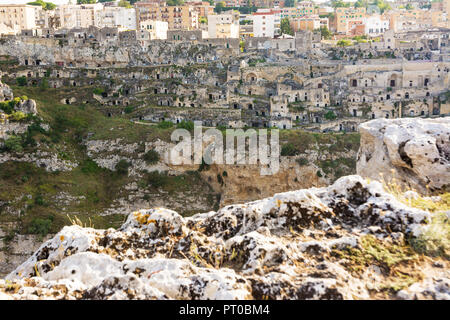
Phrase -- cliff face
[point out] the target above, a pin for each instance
(5, 91)
(344, 241)
(416, 152)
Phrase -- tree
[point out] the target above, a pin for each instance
(151, 157)
(125, 4)
(326, 34)
(344, 43)
(14, 144)
(285, 27)
(44, 5)
(174, 3)
(122, 167)
(383, 6)
(361, 4)
(330, 115)
(220, 6)
(21, 81)
(340, 4)
(290, 3)
(86, 1)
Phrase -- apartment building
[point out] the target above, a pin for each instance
(304, 8)
(156, 29)
(178, 17)
(203, 8)
(347, 18)
(19, 16)
(410, 20)
(80, 16)
(224, 25)
(119, 17)
(313, 22)
(375, 25)
(266, 23)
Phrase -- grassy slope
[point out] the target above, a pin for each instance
(96, 188)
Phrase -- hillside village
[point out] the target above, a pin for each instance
(287, 81)
(91, 92)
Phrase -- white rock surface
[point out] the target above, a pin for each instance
(278, 248)
(416, 152)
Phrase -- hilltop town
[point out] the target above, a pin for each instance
(91, 92)
(237, 69)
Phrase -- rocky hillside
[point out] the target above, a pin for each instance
(414, 152)
(75, 160)
(345, 241)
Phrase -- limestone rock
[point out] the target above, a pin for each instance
(27, 107)
(5, 92)
(415, 152)
(277, 248)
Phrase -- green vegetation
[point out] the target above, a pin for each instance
(435, 241)
(125, 4)
(175, 2)
(14, 144)
(151, 157)
(344, 43)
(165, 124)
(397, 261)
(122, 167)
(21, 81)
(285, 27)
(188, 125)
(40, 226)
(326, 34)
(44, 5)
(92, 188)
(330, 115)
(288, 149)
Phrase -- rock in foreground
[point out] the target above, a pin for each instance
(416, 152)
(295, 245)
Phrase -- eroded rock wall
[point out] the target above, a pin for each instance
(414, 152)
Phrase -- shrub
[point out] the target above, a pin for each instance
(165, 125)
(14, 144)
(17, 116)
(157, 179)
(7, 106)
(302, 161)
(128, 109)
(90, 166)
(288, 149)
(151, 157)
(188, 125)
(330, 115)
(122, 167)
(98, 91)
(39, 200)
(40, 226)
(21, 81)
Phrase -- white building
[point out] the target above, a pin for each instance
(266, 23)
(19, 16)
(118, 17)
(80, 16)
(155, 29)
(225, 25)
(374, 25)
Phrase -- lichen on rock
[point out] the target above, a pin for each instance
(283, 247)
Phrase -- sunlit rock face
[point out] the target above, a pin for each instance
(280, 247)
(416, 152)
